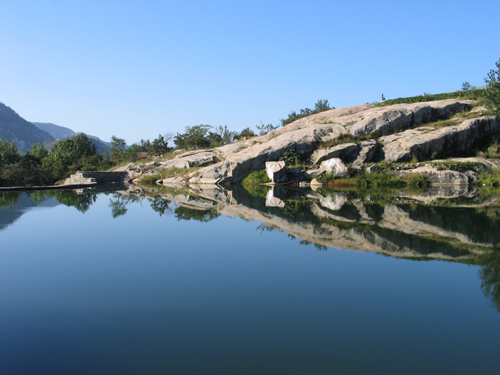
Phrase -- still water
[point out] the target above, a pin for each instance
(228, 282)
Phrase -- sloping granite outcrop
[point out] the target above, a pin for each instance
(398, 134)
(305, 134)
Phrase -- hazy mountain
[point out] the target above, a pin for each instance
(13, 128)
(60, 133)
(54, 130)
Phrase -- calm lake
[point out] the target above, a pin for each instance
(218, 281)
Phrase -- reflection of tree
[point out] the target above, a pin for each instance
(160, 205)
(81, 202)
(183, 213)
(119, 204)
(490, 276)
(9, 198)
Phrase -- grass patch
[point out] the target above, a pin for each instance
(470, 94)
(347, 138)
(256, 177)
(490, 178)
(365, 180)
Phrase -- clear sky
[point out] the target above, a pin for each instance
(136, 69)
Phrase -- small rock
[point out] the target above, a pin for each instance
(335, 166)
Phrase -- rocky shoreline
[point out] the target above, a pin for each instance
(362, 137)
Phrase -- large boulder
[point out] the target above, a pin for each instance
(342, 151)
(191, 159)
(422, 143)
(403, 116)
(276, 171)
(367, 151)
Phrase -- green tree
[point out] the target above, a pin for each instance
(322, 105)
(491, 95)
(38, 151)
(69, 155)
(195, 137)
(8, 153)
(117, 146)
(159, 145)
(245, 133)
(265, 128)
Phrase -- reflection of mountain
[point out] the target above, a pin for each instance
(14, 204)
(398, 226)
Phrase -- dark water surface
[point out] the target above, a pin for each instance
(161, 284)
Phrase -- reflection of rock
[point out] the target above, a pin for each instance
(272, 201)
(345, 221)
(174, 182)
(334, 203)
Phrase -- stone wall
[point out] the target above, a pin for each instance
(90, 178)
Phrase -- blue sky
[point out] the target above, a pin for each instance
(136, 69)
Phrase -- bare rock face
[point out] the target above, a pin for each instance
(367, 151)
(238, 165)
(276, 171)
(342, 151)
(422, 142)
(335, 166)
(191, 159)
(402, 116)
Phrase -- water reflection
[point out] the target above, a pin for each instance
(458, 225)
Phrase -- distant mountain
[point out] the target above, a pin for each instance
(56, 131)
(13, 128)
(60, 133)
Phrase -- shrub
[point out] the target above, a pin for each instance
(256, 177)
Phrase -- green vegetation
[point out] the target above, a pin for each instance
(320, 106)
(257, 191)
(492, 92)
(292, 158)
(376, 179)
(476, 94)
(256, 177)
(38, 167)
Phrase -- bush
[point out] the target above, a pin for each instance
(257, 177)
(492, 92)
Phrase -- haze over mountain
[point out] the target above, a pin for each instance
(56, 131)
(24, 134)
(60, 132)
(13, 128)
